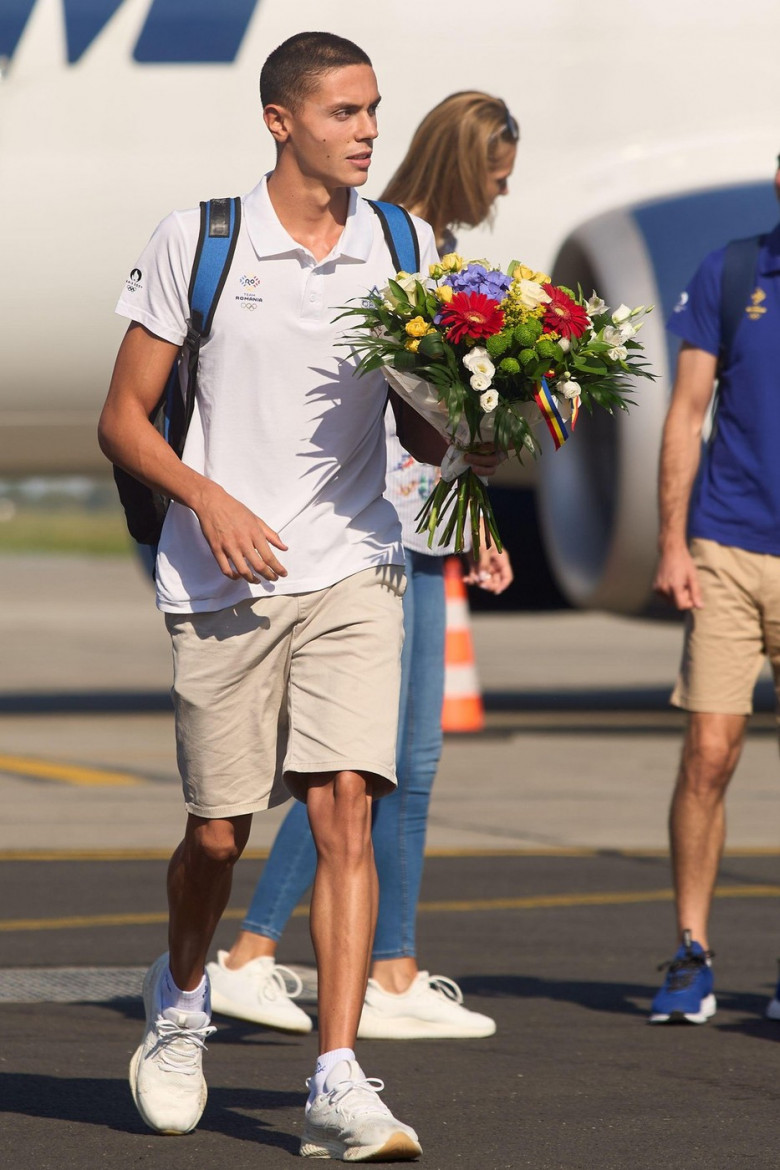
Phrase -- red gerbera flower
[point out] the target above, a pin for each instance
(471, 315)
(563, 315)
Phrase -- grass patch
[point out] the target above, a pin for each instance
(99, 531)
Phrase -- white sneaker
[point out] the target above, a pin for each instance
(166, 1075)
(261, 991)
(349, 1122)
(432, 1008)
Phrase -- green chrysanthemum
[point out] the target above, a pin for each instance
(547, 348)
(509, 366)
(526, 334)
(499, 343)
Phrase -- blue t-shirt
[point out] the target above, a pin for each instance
(737, 501)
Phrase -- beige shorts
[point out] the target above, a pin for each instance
(274, 689)
(727, 640)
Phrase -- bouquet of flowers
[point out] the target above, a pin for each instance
(484, 356)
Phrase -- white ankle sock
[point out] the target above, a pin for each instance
(325, 1063)
(196, 1000)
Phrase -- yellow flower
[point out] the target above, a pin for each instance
(444, 293)
(523, 272)
(417, 327)
(413, 344)
(452, 262)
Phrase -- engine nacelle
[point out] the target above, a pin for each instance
(597, 495)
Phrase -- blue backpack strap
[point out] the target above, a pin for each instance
(220, 220)
(400, 235)
(737, 282)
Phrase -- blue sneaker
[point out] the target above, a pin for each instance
(773, 1007)
(687, 993)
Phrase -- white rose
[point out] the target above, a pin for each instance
(626, 330)
(407, 282)
(621, 313)
(479, 382)
(568, 388)
(595, 305)
(618, 354)
(532, 294)
(489, 400)
(478, 362)
(611, 335)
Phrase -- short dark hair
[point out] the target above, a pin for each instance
(292, 71)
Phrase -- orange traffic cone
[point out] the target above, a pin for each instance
(462, 710)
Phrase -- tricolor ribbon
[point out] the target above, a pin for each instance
(551, 415)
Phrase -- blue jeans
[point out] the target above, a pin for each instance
(399, 819)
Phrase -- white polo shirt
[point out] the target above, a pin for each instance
(282, 422)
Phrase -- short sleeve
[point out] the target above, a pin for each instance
(155, 292)
(696, 316)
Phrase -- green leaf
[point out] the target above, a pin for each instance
(431, 346)
(398, 292)
(404, 359)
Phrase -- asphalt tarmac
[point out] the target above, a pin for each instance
(546, 896)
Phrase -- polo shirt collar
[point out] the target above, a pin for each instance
(269, 238)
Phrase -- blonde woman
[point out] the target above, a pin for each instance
(458, 163)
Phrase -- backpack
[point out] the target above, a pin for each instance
(220, 221)
(737, 283)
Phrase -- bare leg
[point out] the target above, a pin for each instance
(697, 822)
(344, 901)
(249, 946)
(395, 975)
(199, 879)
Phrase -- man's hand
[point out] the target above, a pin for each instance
(240, 540)
(677, 580)
(485, 460)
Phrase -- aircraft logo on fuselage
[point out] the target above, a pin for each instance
(181, 32)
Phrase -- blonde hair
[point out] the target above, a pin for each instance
(444, 175)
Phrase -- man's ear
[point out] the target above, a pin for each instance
(277, 119)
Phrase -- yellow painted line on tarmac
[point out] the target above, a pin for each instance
(90, 921)
(533, 902)
(66, 773)
(261, 854)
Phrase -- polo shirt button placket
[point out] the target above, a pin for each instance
(315, 282)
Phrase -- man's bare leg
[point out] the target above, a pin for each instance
(697, 822)
(200, 876)
(344, 901)
(166, 1075)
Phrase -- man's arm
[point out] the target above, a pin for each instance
(418, 437)
(676, 576)
(239, 540)
(426, 445)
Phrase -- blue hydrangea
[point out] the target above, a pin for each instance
(478, 279)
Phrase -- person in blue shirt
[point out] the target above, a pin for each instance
(719, 547)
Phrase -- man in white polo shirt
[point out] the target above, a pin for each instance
(280, 575)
